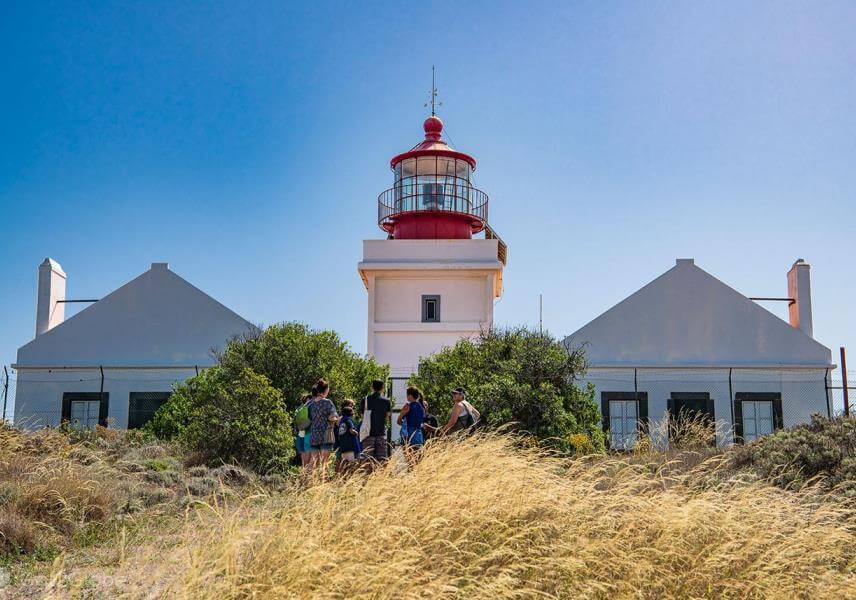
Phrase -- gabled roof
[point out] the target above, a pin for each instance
(157, 319)
(687, 317)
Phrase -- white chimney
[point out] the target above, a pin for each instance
(799, 290)
(50, 312)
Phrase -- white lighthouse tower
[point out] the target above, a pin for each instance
(430, 282)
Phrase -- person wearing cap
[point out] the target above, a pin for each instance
(463, 415)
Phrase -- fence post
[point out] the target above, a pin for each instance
(827, 388)
(844, 383)
(5, 391)
(731, 403)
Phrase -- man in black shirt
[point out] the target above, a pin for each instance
(380, 406)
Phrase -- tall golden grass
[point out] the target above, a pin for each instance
(486, 518)
(45, 493)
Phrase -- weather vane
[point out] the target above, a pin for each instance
(432, 95)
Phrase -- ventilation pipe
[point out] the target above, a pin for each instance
(799, 290)
(50, 311)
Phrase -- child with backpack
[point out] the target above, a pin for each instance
(348, 436)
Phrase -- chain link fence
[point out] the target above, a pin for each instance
(802, 392)
(8, 395)
(43, 398)
(836, 391)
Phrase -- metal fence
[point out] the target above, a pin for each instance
(8, 394)
(45, 407)
(836, 391)
(802, 394)
(721, 394)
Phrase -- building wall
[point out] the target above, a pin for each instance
(448, 251)
(402, 350)
(397, 335)
(398, 298)
(803, 391)
(38, 399)
(467, 276)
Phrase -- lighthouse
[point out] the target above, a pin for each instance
(435, 277)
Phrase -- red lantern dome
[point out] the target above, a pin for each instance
(432, 196)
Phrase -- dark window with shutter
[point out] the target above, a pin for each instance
(142, 406)
(431, 308)
(756, 414)
(690, 406)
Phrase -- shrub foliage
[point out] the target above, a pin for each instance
(293, 357)
(521, 378)
(237, 417)
(240, 410)
(824, 448)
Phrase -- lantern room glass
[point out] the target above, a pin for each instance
(433, 183)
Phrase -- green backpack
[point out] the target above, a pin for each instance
(301, 417)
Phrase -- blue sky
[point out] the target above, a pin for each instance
(246, 143)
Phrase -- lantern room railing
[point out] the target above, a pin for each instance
(442, 197)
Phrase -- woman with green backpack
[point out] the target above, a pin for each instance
(302, 423)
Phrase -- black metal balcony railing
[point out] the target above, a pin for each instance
(460, 199)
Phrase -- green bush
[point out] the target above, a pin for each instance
(293, 357)
(173, 416)
(163, 478)
(792, 457)
(202, 486)
(237, 418)
(198, 471)
(232, 474)
(162, 464)
(517, 377)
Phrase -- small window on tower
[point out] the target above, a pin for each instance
(431, 309)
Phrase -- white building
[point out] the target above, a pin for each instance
(115, 362)
(687, 342)
(430, 283)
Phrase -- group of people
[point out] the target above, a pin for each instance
(321, 430)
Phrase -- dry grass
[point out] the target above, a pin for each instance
(17, 534)
(87, 500)
(483, 518)
(42, 483)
